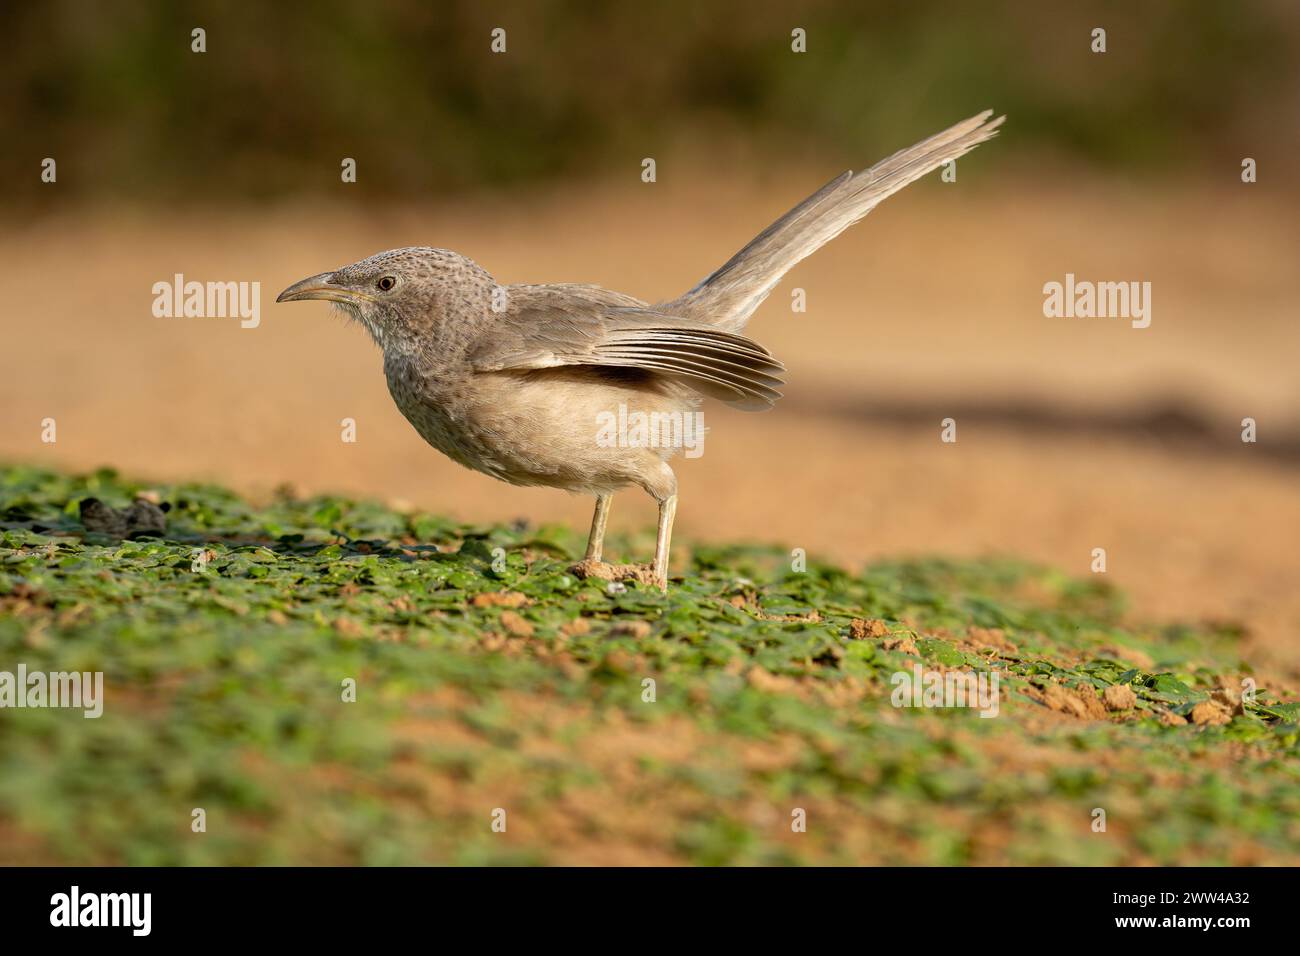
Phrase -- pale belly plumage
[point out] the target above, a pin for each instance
(570, 428)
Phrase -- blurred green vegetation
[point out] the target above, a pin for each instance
(411, 89)
(484, 683)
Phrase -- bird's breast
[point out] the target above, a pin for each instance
(438, 411)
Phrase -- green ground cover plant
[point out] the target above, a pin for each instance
(602, 724)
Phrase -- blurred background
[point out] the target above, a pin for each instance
(1072, 433)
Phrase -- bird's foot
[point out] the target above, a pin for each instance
(603, 571)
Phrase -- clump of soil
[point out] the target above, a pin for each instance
(1211, 713)
(499, 599)
(1084, 704)
(516, 625)
(576, 628)
(1119, 697)
(637, 629)
(990, 638)
(1229, 698)
(640, 573)
(861, 629)
(904, 644)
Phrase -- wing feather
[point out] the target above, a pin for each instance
(550, 326)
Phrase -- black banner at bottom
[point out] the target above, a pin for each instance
(334, 906)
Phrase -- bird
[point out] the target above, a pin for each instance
(512, 380)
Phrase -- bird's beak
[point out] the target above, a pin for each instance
(318, 287)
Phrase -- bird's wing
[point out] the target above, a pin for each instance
(554, 325)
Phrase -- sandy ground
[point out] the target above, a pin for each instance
(931, 308)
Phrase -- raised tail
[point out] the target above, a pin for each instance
(729, 296)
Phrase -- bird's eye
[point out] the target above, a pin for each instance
(387, 282)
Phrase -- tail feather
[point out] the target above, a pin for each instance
(729, 296)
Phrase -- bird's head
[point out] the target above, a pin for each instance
(404, 297)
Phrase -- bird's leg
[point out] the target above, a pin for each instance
(667, 511)
(663, 488)
(596, 540)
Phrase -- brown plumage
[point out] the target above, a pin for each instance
(518, 381)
